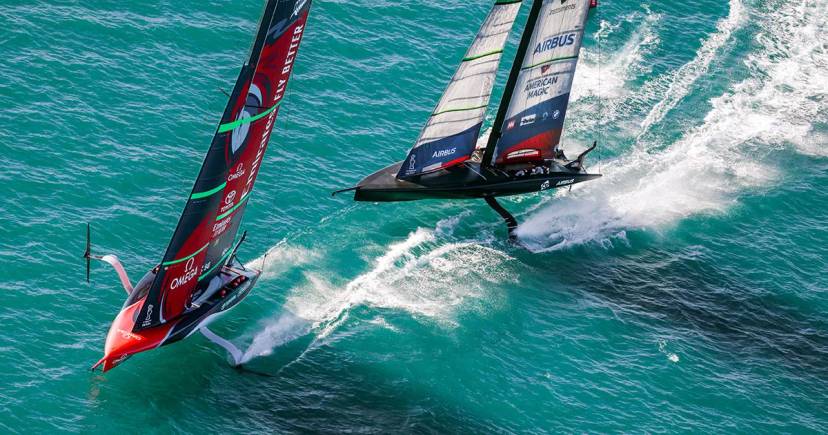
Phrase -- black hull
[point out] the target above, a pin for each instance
(466, 181)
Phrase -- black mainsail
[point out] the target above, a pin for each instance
(206, 233)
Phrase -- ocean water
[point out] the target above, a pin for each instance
(685, 291)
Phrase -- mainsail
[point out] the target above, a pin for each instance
(530, 122)
(450, 135)
(206, 233)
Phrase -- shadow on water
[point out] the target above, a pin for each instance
(697, 290)
(334, 387)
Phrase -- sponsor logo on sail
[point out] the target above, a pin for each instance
(230, 197)
(528, 120)
(299, 7)
(190, 271)
(540, 87)
(555, 42)
(251, 103)
(238, 173)
(444, 153)
(568, 7)
(412, 165)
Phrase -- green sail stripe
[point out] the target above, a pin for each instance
(211, 192)
(235, 207)
(181, 260)
(480, 56)
(221, 260)
(461, 110)
(557, 59)
(224, 128)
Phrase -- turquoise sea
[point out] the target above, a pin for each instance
(685, 291)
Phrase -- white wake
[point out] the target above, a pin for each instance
(706, 169)
(430, 279)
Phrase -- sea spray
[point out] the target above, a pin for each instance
(427, 275)
(706, 169)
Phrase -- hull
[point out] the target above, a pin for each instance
(466, 181)
(122, 343)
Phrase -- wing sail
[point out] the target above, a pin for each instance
(206, 232)
(531, 123)
(451, 132)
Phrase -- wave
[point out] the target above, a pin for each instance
(710, 165)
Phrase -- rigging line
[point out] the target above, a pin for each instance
(600, 90)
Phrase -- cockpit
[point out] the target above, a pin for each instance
(142, 288)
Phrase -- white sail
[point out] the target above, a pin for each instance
(451, 132)
(535, 114)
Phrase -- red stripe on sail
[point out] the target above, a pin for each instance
(454, 162)
(541, 143)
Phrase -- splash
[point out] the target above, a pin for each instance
(672, 357)
(422, 275)
(706, 169)
(605, 78)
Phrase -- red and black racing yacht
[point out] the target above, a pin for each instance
(199, 275)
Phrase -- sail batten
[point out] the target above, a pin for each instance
(206, 233)
(449, 136)
(530, 123)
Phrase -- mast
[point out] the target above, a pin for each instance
(497, 127)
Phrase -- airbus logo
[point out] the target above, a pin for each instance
(555, 42)
(443, 153)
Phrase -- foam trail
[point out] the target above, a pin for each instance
(710, 165)
(418, 275)
(605, 78)
(683, 79)
(599, 95)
